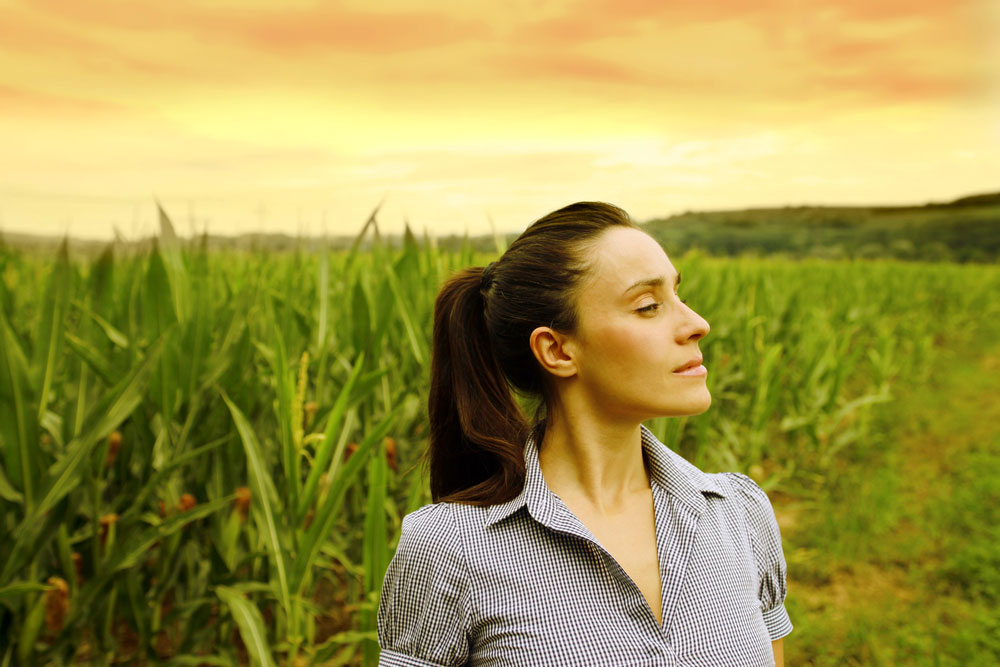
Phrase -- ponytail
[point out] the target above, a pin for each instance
(477, 429)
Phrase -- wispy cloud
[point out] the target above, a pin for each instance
(17, 101)
(279, 27)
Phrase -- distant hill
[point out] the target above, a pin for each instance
(963, 230)
(992, 199)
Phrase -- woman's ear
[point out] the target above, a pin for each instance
(553, 352)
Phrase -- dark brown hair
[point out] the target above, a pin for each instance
(483, 319)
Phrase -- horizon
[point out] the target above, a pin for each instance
(298, 118)
(349, 234)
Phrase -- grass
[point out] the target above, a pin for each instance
(900, 562)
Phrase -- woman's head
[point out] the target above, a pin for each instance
(484, 322)
(633, 352)
(535, 284)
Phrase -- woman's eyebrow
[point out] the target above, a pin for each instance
(653, 282)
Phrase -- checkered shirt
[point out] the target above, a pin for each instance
(526, 583)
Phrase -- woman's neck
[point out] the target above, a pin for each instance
(592, 461)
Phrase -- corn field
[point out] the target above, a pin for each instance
(205, 456)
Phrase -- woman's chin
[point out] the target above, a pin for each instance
(701, 407)
(691, 406)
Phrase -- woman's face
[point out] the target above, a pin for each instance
(636, 344)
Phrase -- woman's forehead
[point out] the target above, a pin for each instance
(623, 257)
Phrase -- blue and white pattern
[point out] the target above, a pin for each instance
(526, 583)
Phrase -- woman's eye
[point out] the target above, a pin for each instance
(653, 307)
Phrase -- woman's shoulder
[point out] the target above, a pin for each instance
(438, 524)
(760, 518)
(747, 489)
(429, 523)
(430, 548)
(750, 494)
(435, 516)
(441, 516)
(735, 486)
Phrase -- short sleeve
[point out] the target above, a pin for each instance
(765, 540)
(423, 612)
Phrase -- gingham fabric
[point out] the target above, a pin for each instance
(526, 583)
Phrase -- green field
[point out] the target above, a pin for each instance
(206, 454)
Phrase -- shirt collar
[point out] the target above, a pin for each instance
(667, 470)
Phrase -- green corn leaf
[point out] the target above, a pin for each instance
(250, 623)
(360, 317)
(64, 475)
(375, 538)
(767, 386)
(404, 308)
(107, 416)
(285, 389)
(159, 315)
(264, 501)
(375, 548)
(327, 649)
(18, 422)
(26, 544)
(322, 324)
(19, 588)
(169, 249)
(90, 356)
(325, 451)
(49, 336)
(310, 541)
(114, 335)
(133, 549)
(332, 550)
(65, 553)
(197, 341)
(323, 296)
(385, 313)
(226, 536)
(30, 630)
(371, 222)
(8, 492)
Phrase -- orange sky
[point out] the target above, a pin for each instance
(302, 116)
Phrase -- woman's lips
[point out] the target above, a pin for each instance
(693, 371)
(692, 363)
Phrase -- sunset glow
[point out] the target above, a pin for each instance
(302, 116)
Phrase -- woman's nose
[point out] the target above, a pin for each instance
(695, 327)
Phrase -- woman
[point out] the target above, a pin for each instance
(581, 540)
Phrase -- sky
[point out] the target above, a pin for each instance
(302, 117)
